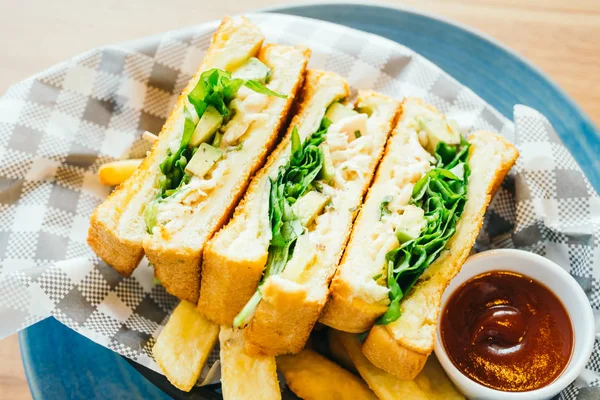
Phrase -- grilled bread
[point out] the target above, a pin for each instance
(182, 221)
(236, 257)
(117, 227)
(359, 291)
(176, 254)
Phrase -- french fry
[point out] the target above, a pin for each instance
(338, 352)
(385, 386)
(313, 377)
(431, 383)
(184, 345)
(435, 382)
(243, 376)
(116, 172)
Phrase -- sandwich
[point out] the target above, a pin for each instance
(268, 270)
(224, 124)
(415, 230)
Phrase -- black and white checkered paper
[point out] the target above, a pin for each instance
(59, 126)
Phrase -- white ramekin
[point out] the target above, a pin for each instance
(558, 281)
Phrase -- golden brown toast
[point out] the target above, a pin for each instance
(117, 227)
(401, 347)
(293, 300)
(234, 259)
(177, 258)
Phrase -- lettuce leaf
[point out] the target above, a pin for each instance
(260, 88)
(216, 88)
(292, 181)
(442, 194)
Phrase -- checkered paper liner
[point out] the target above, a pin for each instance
(59, 126)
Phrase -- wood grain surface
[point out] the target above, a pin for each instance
(561, 37)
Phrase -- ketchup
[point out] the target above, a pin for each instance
(507, 331)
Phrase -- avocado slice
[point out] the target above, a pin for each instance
(203, 160)
(411, 223)
(439, 130)
(253, 69)
(304, 254)
(337, 111)
(207, 126)
(309, 206)
(327, 172)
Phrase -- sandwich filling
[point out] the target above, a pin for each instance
(419, 215)
(219, 111)
(307, 193)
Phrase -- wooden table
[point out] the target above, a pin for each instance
(561, 37)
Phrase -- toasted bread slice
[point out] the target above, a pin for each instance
(244, 376)
(292, 301)
(234, 259)
(401, 347)
(313, 377)
(356, 298)
(117, 227)
(176, 253)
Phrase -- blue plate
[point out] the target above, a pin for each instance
(60, 363)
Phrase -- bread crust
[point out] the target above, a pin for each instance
(344, 311)
(181, 266)
(282, 321)
(103, 235)
(123, 256)
(286, 315)
(398, 360)
(385, 346)
(348, 313)
(228, 283)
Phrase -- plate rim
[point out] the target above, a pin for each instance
(456, 24)
(23, 337)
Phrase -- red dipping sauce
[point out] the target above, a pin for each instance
(507, 331)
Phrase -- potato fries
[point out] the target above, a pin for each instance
(184, 345)
(244, 376)
(313, 377)
(338, 352)
(434, 381)
(385, 386)
(116, 172)
(431, 383)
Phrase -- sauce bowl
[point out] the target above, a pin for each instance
(561, 284)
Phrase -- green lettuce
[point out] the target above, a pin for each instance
(216, 88)
(293, 180)
(442, 194)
